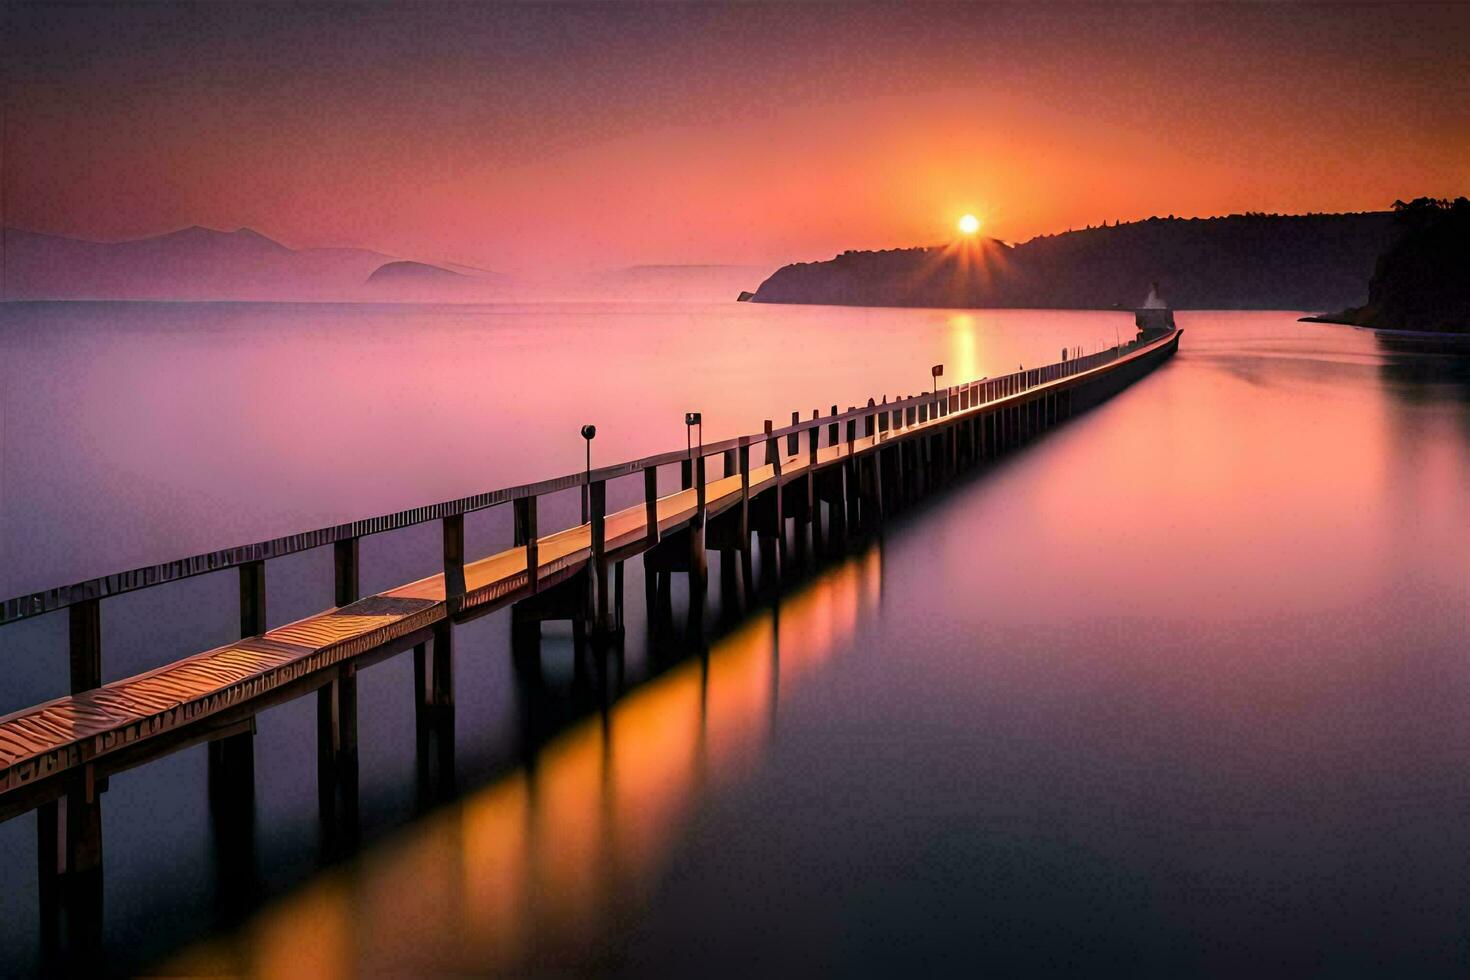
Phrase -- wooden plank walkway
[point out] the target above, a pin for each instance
(92, 726)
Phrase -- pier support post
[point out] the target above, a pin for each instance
(698, 559)
(526, 536)
(892, 493)
(69, 830)
(772, 530)
(441, 683)
(232, 756)
(434, 674)
(48, 875)
(232, 816)
(837, 505)
(773, 456)
(81, 826)
(601, 600)
(252, 598)
(337, 760)
(345, 560)
(851, 476)
(434, 713)
(743, 529)
(650, 506)
(813, 435)
(877, 469)
(69, 852)
(454, 585)
(232, 772)
(734, 599)
(617, 609)
(874, 496)
(650, 589)
(86, 645)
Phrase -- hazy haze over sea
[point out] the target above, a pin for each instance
(1184, 679)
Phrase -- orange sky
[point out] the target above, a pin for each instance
(532, 139)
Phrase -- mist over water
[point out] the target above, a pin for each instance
(154, 430)
(1180, 686)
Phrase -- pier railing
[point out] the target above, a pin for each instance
(57, 757)
(902, 412)
(82, 599)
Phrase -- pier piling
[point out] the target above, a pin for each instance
(56, 758)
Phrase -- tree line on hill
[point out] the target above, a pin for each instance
(1241, 261)
(1422, 281)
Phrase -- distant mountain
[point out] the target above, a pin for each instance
(712, 283)
(420, 282)
(1422, 282)
(415, 272)
(1249, 261)
(191, 264)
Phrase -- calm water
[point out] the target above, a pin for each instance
(1178, 689)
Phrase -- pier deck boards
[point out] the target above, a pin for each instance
(93, 726)
(79, 728)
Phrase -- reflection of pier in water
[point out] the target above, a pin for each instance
(804, 497)
(555, 847)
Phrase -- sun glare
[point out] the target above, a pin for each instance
(969, 224)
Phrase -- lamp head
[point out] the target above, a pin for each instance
(589, 432)
(937, 370)
(693, 418)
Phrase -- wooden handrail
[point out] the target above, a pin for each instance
(147, 576)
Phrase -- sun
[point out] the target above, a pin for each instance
(969, 224)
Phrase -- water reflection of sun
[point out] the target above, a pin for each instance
(964, 347)
(543, 856)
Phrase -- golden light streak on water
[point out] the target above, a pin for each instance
(544, 859)
(964, 364)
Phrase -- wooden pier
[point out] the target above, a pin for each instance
(56, 758)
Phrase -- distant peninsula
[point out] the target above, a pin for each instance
(1422, 282)
(1242, 261)
(198, 263)
(415, 272)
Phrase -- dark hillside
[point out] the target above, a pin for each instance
(1249, 261)
(1423, 281)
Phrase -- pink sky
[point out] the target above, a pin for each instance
(535, 139)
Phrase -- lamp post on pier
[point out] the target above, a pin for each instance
(691, 419)
(936, 372)
(589, 432)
